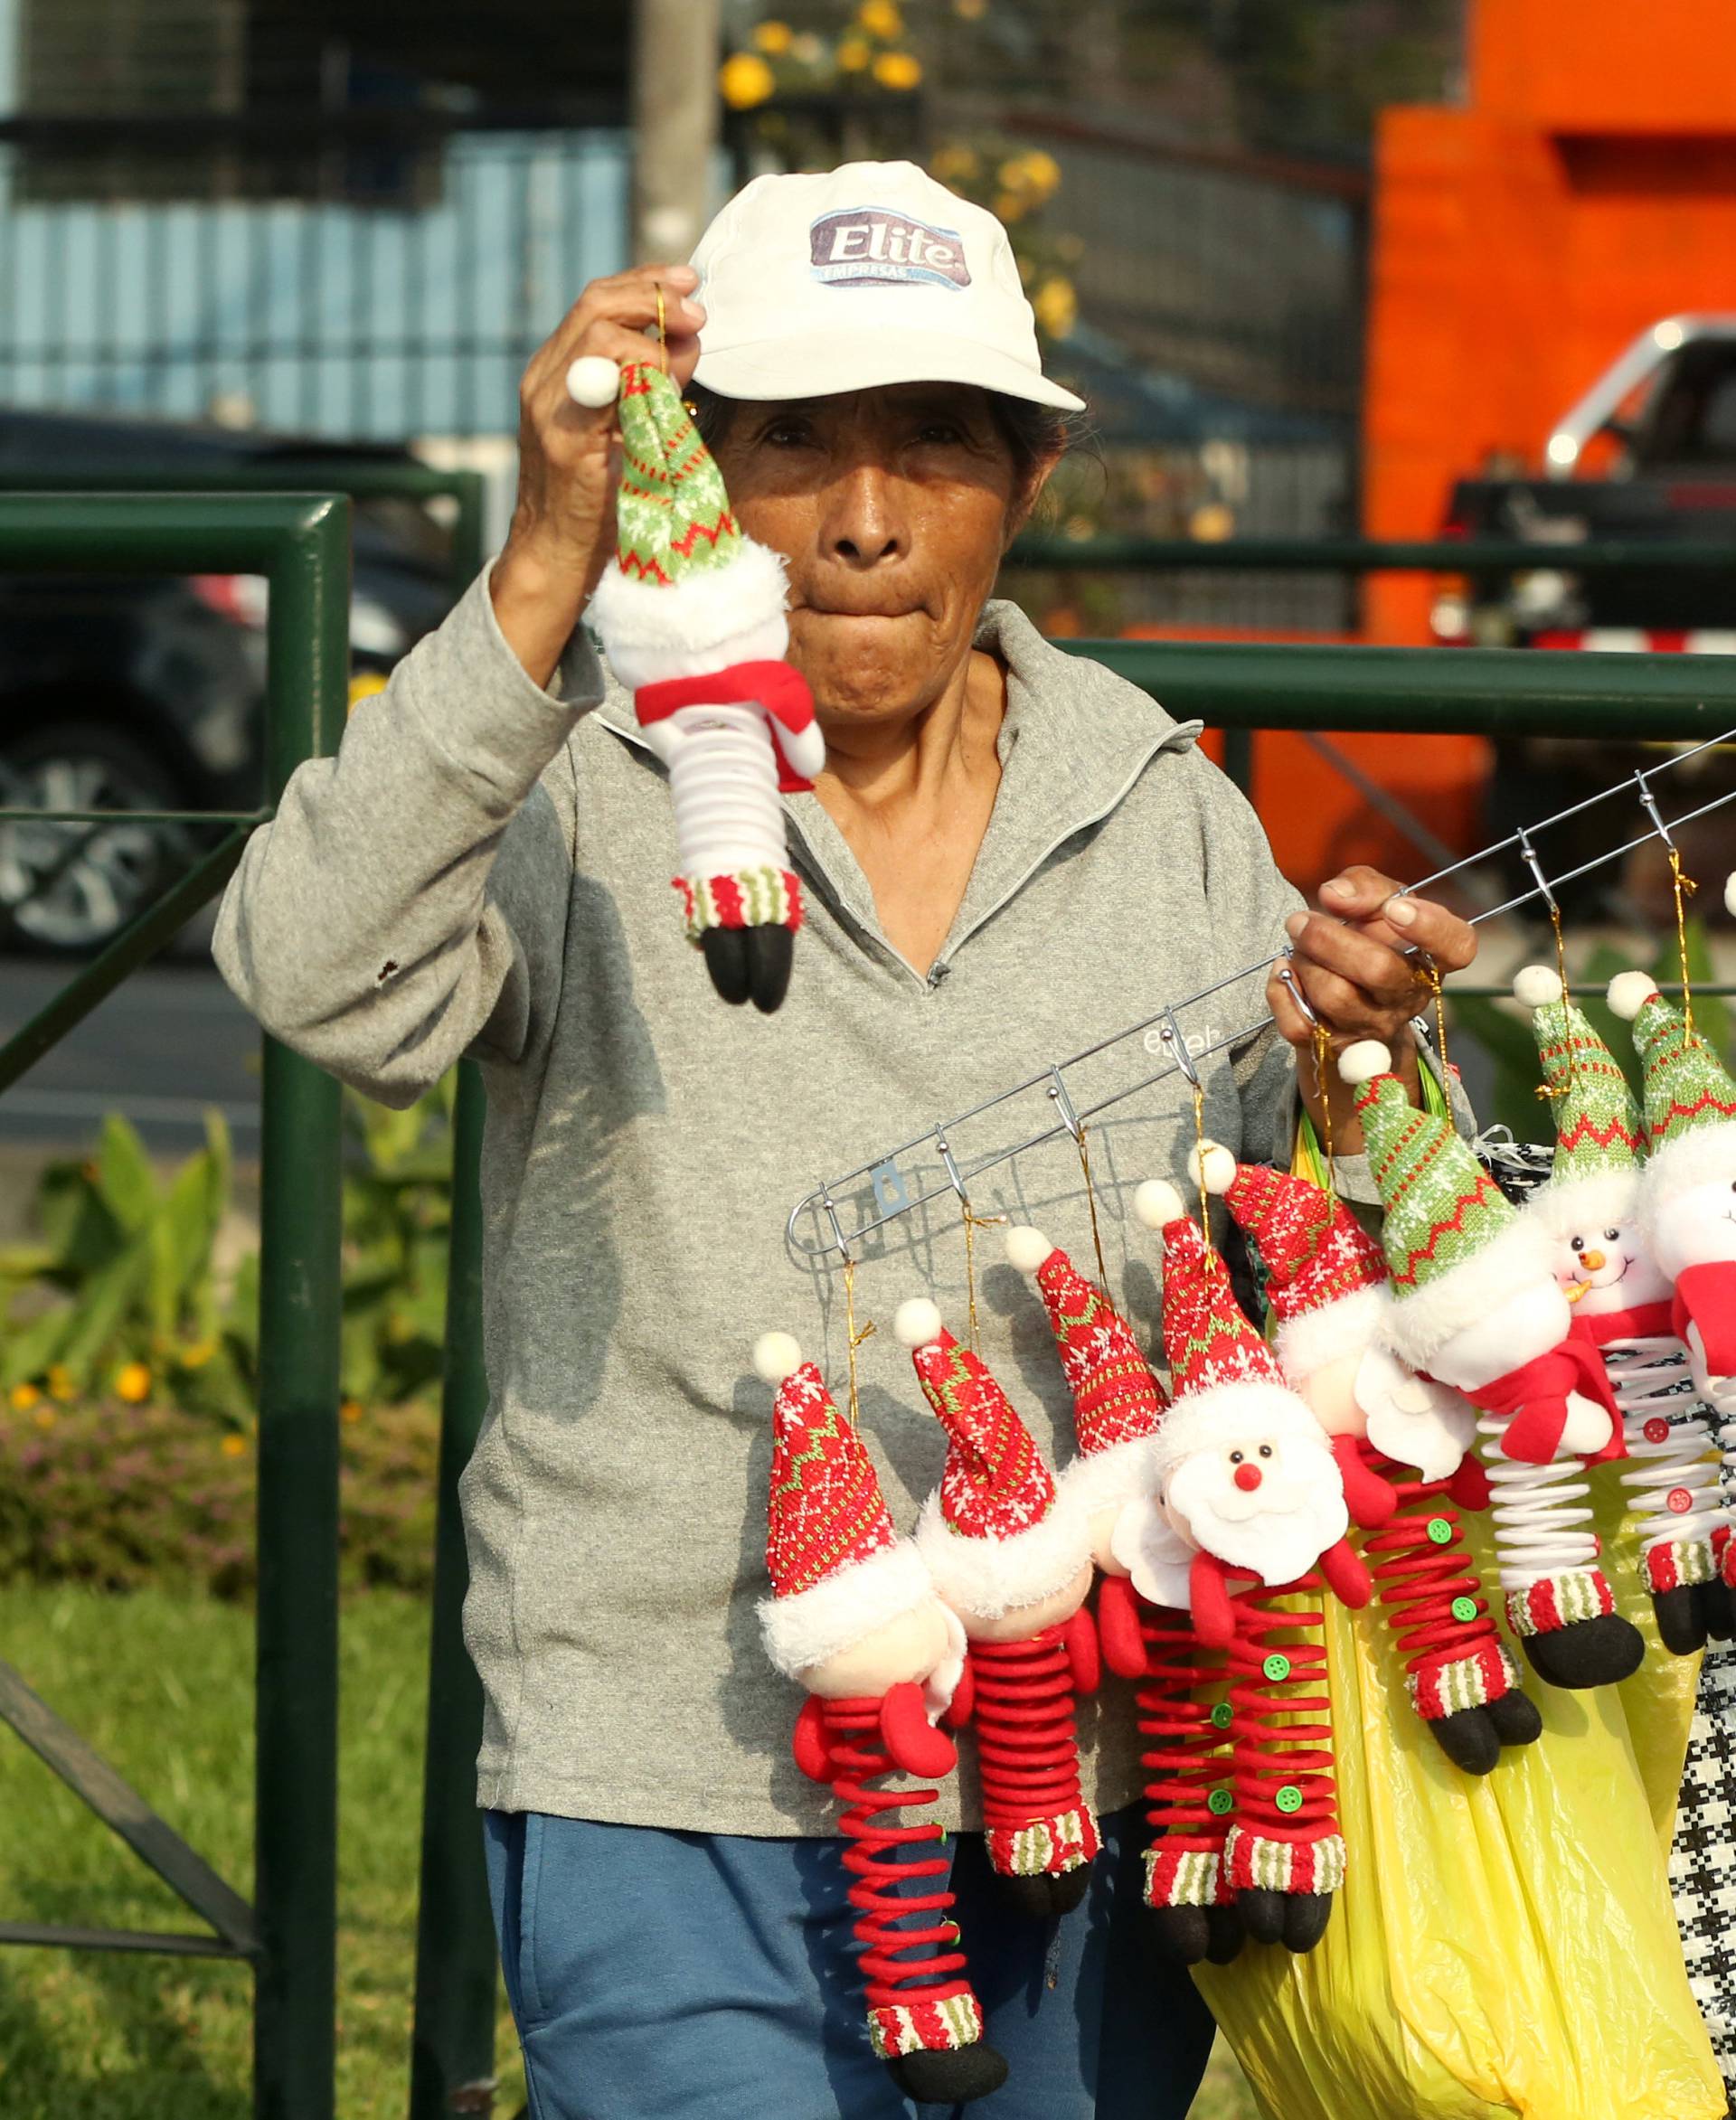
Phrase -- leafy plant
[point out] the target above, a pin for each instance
(397, 1222)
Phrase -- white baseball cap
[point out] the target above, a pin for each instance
(869, 274)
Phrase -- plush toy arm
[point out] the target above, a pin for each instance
(1532, 1435)
(807, 1741)
(1084, 1657)
(1346, 1576)
(1214, 1618)
(1118, 1627)
(916, 1747)
(1369, 1499)
(963, 1698)
(1469, 1485)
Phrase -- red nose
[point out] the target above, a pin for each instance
(1247, 1477)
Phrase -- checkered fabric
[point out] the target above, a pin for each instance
(1703, 1861)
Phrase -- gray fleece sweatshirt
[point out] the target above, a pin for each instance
(484, 868)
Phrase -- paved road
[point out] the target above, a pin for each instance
(170, 1041)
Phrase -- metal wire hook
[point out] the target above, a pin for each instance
(1650, 801)
(1063, 1103)
(839, 1238)
(1293, 986)
(954, 1176)
(1528, 854)
(1171, 1034)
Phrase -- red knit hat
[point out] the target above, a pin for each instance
(1207, 1338)
(838, 1567)
(1116, 1398)
(1326, 1276)
(994, 1532)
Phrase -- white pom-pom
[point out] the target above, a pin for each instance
(593, 381)
(1536, 986)
(916, 1322)
(1629, 991)
(1361, 1063)
(1216, 1161)
(776, 1355)
(1729, 894)
(1027, 1248)
(1157, 1203)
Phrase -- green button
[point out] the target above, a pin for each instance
(1290, 1797)
(1440, 1530)
(1219, 1802)
(1276, 1667)
(1464, 1608)
(1223, 1715)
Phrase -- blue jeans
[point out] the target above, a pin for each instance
(711, 1976)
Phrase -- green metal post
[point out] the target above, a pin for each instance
(295, 1767)
(452, 2049)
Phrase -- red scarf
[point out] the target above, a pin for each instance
(1706, 1296)
(1535, 1397)
(777, 687)
(1646, 1321)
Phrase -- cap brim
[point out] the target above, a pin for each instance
(823, 364)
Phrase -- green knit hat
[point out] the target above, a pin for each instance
(1454, 1241)
(1599, 1133)
(1689, 1093)
(672, 519)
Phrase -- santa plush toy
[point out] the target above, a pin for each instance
(1013, 1558)
(1247, 1483)
(1475, 1304)
(1118, 1407)
(853, 1617)
(691, 615)
(1589, 1207)
(1327, 1284)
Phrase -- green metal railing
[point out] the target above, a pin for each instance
(300, 543)
(1361, 555)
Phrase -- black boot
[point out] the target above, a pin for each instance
(1515, 1717)
(1262, 1914)
(1184, 1933)
(1597, 1652)
(1306, 1916)
(749, 964)
(1227, 1934)
(1717, 1608)
(949, 2075)
(1681, 1625)
(1469, 1739)
(1047, 1896)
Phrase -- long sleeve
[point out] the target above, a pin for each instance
(407, 904)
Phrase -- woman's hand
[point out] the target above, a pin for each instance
(563, 522)
(1348, 960)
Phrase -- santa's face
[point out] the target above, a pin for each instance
(1697, 1227)
(912, 1646)
(1024, 1620)
(1269, 1499)
(1608, 1267)
(1331, 1395)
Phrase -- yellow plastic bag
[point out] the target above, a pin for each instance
(1501, 1945)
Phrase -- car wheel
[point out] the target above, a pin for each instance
(72, 888)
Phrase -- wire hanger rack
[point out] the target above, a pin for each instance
(894, 1197)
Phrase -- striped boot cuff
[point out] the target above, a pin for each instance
(1253, 1861)
(761, 897)
(1043, 1847)
(1673, 1564)
(1456, 1682)
(1184, 1873)
(925, 2024)
(1559, 1601)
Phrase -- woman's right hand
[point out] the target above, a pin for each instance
(562, 530)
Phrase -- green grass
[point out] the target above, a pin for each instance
(161, 1684)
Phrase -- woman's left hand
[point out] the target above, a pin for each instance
(1348, 960)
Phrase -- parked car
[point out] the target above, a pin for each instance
(147, 693)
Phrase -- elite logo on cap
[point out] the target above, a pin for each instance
(870, 246)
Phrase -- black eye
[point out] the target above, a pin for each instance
(1610, 1235)
(1579, 1243)
(1265, 1450)
(1235, 1457)
(785, 434)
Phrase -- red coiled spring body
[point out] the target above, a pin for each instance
(1285, 1838)
(1432, 1596)
(1035, 1818)
(1185, 1760)
(907, 1962)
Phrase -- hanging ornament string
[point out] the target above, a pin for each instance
(1090, 1201)
(852, 1339)
(1427, 973)
(1322, 1041)
(1550, 1090)
(1199, 1159)
(1682, 887)
(663, 335)
(973, 1222)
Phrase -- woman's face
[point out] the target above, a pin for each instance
(892, 507)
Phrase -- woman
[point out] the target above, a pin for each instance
(1009, 853)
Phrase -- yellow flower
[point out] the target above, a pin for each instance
(774, 37)
(744, 79)
(350, 1411)
(1212, 522)
(854, 54)
(898, 69)
(233, 1446)
(133, 1383)
(880, 18)
(59, 1383)
(24, 1396)
(1009, 206)
(197, 1353)
(955, 165)
(1041, 173)
(44, 1416)
(1056, 307)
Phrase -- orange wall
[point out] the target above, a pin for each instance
(1518, 244)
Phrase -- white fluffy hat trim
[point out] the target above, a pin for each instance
(1213, 1165)
(1223, 1413)
(1700, 1156)
(1028, 1248)
(1536, 986)
(1097, 1478)
(1421, 1322)
(985, 1579)
(1730, 893)
(843, 1608)
(1157, 1202)
(1307, 1342)
(645, 626)
(1628, 993)
(1569, 1207)
(1362, 1061)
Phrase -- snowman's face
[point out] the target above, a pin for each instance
(1607, 1268)
(1698, 1226)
